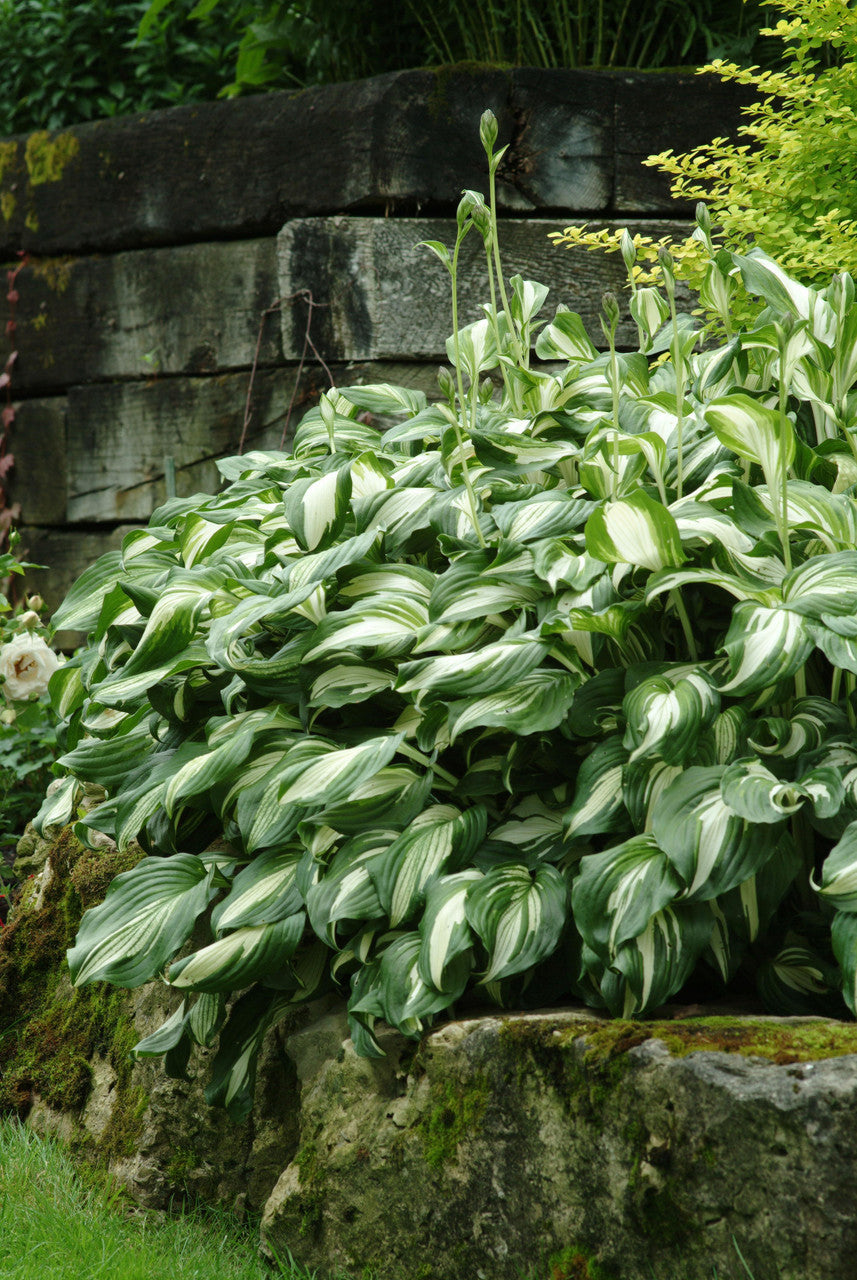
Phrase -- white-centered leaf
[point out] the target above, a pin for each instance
(618, 891)
(764, 645)
(147, 914)
(518, 916)
(241, 957)
(635, 530)
(711, 846)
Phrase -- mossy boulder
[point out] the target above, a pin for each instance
(559, 1146)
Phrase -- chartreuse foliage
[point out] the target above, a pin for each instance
(788, 183)
(546, 688)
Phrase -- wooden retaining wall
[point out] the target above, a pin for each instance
(158, 245)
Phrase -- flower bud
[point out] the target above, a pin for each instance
(488, 130)
(611, 309)
(29, 621)
(446, 382)
(703, 219)
(629, 250)
(35, 602)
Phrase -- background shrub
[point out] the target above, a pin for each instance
(66, 61)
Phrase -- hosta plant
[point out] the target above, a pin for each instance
(542, 690)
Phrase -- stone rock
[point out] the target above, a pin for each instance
(504, 1141)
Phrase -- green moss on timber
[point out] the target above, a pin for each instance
(455, 1111)
(574, 1263)
(48, 156)
(50, 1031)
(8, 204)
(31, 222)
(56, 272)
(8, 157)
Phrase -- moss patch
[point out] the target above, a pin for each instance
(55, 272)
(47, 1048)
(753, 1038)
(47, 157)
(456, 1111)
(780, 1042)
(8, 157)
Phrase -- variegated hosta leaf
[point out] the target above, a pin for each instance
(754, 432)
(618, 891)
(518, 916)
(405, 1000)
(665, 715)
(711, 847)
(657, 963)
(750, 789)
(730, 733)
(389, 624)
(147, 914)
(764, 645)
(548, 515)
(809, 506)
(597, 805)
(110, 761)
(336, 774)
(343, 683)
(643, 781)
(536, 703)
(839, 873)
(164, 1037)
(206, 1018)
(80, 609)
(440, 839)
(798, 982)
(316, 509)
(392, 796)
(565, 338)
(824, 585)
(239, 958)
(381, 397)
(635, 530)
(345, 890)
(262, 892)
(495, 666)
(444, 930)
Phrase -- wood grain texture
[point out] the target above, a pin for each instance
(397, 142)
(383, 296)
(39, 478)
(119, 434)
(191, 309)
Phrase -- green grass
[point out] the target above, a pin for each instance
(64, 1221)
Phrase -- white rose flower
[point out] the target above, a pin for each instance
(27, 664)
